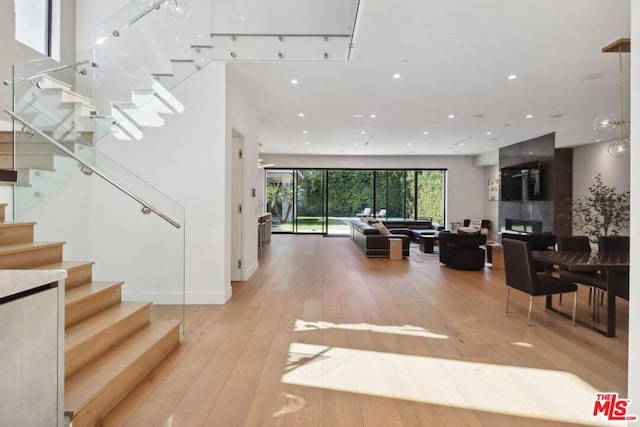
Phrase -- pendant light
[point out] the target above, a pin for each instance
(620, 146)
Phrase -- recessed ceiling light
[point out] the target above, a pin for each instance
(307, 143)
(304, 132)
(529, 116)
(426, 132)
(396, 76)
(488, 133)
(294, 81)
(530, 152)
(512, 76)
(461, 144)
(404, 61)
(357, 116)
(478, 116)
(300, 114)
(373, 116)
(451, 116)
(362, 132)
(556, 116)
(356, 144)
(408, 144)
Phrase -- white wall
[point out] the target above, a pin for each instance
(467, 188)
(590, 160)
(634, 297)
(244, 120)
(187, 159)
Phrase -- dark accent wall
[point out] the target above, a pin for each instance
(556, 164)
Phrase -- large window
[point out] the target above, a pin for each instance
(324, 200)
(33, 24)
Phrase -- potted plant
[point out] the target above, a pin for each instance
(604, 211)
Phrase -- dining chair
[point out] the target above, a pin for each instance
(594, 280)
(617, 243)
(613, 243)
(521, 274)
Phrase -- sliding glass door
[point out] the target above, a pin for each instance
(310, 200)
(280, 200)
(323, 201)
(349, 192)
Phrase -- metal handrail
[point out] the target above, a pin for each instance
(116, 32)
(51, 70)
(88, 170)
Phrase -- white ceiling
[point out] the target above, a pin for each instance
(458, 55)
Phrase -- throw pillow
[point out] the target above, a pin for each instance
(468, 230)
(381, 228)
(475, 223)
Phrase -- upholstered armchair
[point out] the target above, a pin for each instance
(462, 251)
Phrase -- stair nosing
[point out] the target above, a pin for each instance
(100, 286)
(26, 247)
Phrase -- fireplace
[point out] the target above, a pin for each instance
(529, 226)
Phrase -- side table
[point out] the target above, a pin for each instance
(395, 249)
(495, 256)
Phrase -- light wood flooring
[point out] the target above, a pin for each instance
(323, 336)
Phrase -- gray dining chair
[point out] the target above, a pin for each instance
(613, 243)
(617, 243)
(521, 274)
(595, 280)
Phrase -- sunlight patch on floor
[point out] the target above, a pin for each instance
(415, 331)
(511, 390)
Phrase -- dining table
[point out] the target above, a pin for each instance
(607, 263)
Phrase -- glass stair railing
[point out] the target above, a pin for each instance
(110, 206)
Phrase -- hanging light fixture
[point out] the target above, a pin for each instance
(178, 9)
(619, 146)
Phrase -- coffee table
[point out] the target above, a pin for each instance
(427, 242)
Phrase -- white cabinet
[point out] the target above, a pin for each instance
(31, 350)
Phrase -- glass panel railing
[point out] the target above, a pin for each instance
(284, 30)
(62, 91)
(141, 58)
(79, 195)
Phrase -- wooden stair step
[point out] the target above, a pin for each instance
(93, 336)
(12, 233)
(29, 255)
(86, 300)
(78, 272)
(94, 390)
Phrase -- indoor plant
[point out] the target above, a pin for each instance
(604, 211)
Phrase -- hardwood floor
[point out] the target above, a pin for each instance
(323, 336)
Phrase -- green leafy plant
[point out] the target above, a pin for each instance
(604, 211)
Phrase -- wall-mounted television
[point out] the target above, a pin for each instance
(521, 182)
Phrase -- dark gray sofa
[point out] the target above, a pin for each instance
(372, 243)
(412, 228)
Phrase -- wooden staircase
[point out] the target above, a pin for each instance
(110, 345)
